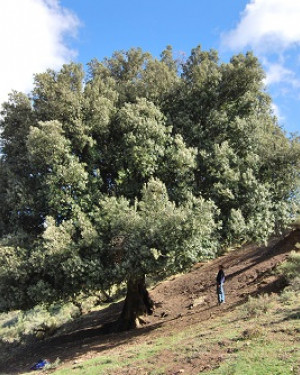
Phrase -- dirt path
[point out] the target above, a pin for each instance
(180, 301)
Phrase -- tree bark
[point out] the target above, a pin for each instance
(137, 303)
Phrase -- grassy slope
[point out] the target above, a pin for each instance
(259, 337)
(262, 337)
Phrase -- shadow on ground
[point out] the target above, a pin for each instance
(249, 273)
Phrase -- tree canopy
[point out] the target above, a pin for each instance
(137, 166)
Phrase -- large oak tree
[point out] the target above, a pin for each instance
(141, 166)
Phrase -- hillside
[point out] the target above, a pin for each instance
(182, 303)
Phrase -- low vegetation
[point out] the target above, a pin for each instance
(260, 337)
(261, 344)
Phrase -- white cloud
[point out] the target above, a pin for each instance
(271, 29)
(266, 25)
(32, 39)
(277, 112)
(277, 73)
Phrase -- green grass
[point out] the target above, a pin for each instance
(16, 325)
(263, 343)
(270, 343)
(262, 358)
(261, 337)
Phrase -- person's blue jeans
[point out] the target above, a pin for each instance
(221, 293)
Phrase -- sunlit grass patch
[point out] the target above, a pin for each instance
(261, 358)
(256, 306)
(262, 344)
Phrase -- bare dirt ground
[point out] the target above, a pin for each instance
(181, 301)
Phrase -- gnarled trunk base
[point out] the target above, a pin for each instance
(137, 303)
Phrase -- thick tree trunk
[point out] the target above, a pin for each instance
(137, 303)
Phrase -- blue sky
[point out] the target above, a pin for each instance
(40, 34)
(113, 25)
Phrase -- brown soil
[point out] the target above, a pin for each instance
(181, 301)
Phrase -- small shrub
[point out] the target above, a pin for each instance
(253, 333)
(41, 321)
(291, 267)
(287, 296)
(295, 285)
(258, 306)
(51, 366)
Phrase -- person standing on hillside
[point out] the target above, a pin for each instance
(220, 284)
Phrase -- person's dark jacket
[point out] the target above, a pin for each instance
(220, 277)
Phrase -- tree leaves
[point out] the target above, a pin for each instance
(140, 166)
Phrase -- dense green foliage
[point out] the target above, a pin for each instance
(140, 166)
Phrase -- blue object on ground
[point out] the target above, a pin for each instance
(40, 364)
